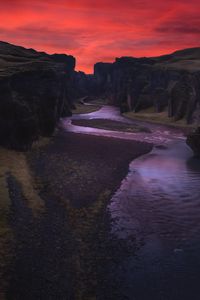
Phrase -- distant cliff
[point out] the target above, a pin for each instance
(169, 82)
(34, 93)
(84, 86)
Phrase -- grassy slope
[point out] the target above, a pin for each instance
(185, 59)
(160, 118)
(15, 163)
(85, 109)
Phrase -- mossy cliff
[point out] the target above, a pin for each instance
(168, 83)
(34, 88)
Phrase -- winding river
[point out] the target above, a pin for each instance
(157, 211)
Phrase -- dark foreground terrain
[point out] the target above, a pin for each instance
(56, 240)
(64, 250)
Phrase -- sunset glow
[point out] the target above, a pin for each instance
(101, 30)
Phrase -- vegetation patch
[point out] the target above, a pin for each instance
(160, 118)
(86, 225)
(5, 234)
(111, 125)
(14, 163)
(86, 108)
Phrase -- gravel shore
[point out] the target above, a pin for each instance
(67, 252)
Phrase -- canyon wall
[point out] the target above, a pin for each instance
(34, 93)
(37, 89)
(170, 82)
(84, 86)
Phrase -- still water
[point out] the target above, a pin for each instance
(158, 208)
(157, 211)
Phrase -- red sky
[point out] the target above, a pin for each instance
(100, 30)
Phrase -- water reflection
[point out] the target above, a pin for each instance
(158, 208)
(161, 181)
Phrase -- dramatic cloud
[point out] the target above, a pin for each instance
(100, 30)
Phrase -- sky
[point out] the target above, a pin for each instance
(100, 30)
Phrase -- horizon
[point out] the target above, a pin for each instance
(92, 71)
(101, 31)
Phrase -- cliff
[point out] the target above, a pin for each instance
(83, 86)
(170, 82)
(34, 93)
(36, 89)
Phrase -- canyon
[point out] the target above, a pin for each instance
(38, 89)
(108, 207)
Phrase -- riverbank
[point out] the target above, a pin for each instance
(67, 249)
(85, 108)
(111, 125)
(159, 118)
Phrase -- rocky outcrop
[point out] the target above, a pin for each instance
(34, 93)
(193, 140)
(170, 82)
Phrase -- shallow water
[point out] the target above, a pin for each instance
(161, 134)
(157, 211)
(158, 208)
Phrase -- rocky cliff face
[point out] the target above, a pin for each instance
(83, 86)
(169, 82)
(34, 93)
(36, 89)
(89, 87)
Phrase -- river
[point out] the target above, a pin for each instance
(157, 211)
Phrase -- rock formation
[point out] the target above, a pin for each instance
(36, 89)
(83, 86)
(169, 82)
(34, 94)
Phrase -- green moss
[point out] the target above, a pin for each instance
(14, 163)
(5, 233)
(159, 118)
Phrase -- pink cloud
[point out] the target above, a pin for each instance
(101, 30)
